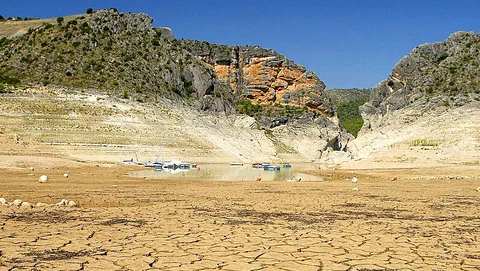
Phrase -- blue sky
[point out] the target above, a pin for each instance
(347, 43)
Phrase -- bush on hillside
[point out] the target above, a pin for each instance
(89, 11)
(349, 115)
(244, 106)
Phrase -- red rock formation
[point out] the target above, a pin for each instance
(264, 76)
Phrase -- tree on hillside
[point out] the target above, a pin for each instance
(89, 10)
(1, 17)
(60, 20)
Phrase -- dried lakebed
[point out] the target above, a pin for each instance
(134, 224)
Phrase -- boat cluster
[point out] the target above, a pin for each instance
(270, 167)
(159, 166)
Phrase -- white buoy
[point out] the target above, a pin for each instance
(72, 203)
(65, 175)
(354, 180)
(31, 169)
(41, 204)
(26, 205)
(63, 202)
(43, 179)
(3, 201)
(17, 203)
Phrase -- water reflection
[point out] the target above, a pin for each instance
(222, 172)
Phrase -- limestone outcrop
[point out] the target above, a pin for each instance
(433, 76)
(264, 76)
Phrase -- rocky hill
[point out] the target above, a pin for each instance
(112, 55)
(428, 110)
(117, 53)
(443, 74)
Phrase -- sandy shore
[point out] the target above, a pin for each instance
(423, 221)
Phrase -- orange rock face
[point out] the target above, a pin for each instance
(265, 77)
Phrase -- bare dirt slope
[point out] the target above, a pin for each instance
(96, 128)
(415, 139)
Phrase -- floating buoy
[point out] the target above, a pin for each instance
(354, 180)
(43, 179)
(65, 175)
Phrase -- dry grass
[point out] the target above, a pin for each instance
(12, 28)
(424, 143)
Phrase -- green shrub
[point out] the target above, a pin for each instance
(442, 57)
(89, 11)
(446, 103)
(109, 44)
(60, 20)
(349, 115)
(155, 42)
(244, 106)
(125, 94)
(9, 80)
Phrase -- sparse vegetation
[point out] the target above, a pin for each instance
(125, 94)
(89, 11)
(244, 106)
(424, 143)
(442, 57)
(60, 20)
(155, 41)
(348, 102)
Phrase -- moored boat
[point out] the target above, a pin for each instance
(271, 168)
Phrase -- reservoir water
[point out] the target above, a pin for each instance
(225, 172)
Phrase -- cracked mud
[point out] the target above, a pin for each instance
(179, 225)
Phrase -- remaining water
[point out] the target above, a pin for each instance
(222, 172)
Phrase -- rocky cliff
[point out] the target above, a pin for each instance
(427, 111)
(433, 76)
(264, 76)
